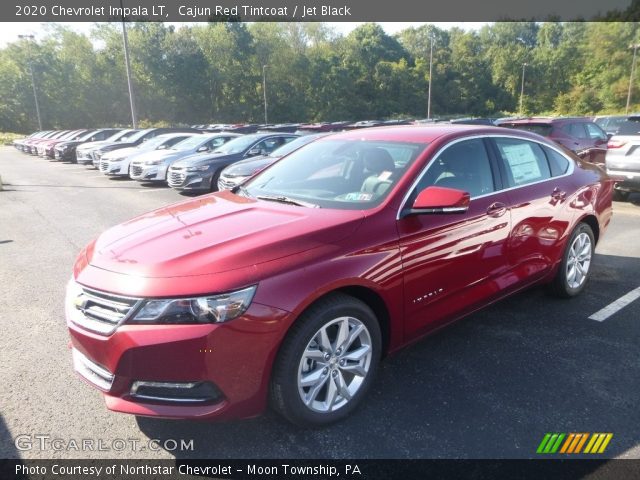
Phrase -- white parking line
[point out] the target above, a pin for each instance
(619, 304)
(147, 190)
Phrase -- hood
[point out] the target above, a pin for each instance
(249, 165)
(166, 155)
(214, 234)
(110, 146)
(90, 145)
(121, 152)
(207, 158)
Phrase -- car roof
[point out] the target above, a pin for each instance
(545, 120)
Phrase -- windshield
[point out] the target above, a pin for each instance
(154, 143)
(120, 136)
(238, 145)
(343, 174)
(88, 135)
(539, 128)
(138, 135)
(190, 143)
(293, 145)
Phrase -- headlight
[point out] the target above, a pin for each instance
(210, 309)
(203, 168)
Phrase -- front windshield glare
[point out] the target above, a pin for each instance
(344, 174)
(237, 145)
(189, 143)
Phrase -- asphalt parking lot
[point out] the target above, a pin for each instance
(490, 386)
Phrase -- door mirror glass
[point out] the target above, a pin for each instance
(441, 200)
(203, 148)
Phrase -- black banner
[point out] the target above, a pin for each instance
(311, 10)
(318, 469)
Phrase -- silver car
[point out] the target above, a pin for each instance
(153, 166)
(623, 157)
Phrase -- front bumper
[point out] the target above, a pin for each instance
(148, 173)
(236, 357)
(114, 168)
(191, 181)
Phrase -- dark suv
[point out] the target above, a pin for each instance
(579, 135)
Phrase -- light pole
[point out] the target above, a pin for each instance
(125, 41)
(430, 75)
(33, 78)
(264, 91)
(522, 87)
(633, 71)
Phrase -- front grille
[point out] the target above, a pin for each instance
(101, 312)
(91, 371)
(227, 183)
(136, 171)
(176, 178)
(104, 166)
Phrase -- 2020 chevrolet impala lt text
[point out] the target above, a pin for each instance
(290, 288)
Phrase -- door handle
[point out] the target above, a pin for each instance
(496, 209)
(558, 194)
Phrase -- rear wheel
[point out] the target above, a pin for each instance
(575, 268)
(327, 362)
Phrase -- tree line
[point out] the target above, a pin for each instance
(213, 73)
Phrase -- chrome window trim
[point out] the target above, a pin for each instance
(425, 169)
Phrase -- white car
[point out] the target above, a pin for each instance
(117, 162)
(152, 166)
(623, 157)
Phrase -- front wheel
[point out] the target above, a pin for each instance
(575, 268)
(327, 362)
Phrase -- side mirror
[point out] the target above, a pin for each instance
(204, 148)
(609, 135)
(162, 147)
(441, 200)
(254, 151)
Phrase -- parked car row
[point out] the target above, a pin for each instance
(195, 158)
(185, 158)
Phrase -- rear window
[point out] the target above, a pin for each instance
(558, 163)
(630, 126)
(540, 129)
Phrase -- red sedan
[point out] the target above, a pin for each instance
(289, 289)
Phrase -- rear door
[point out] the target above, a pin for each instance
(537, 177)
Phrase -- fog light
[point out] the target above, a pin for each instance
(172, 392)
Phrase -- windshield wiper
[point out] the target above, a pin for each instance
(240, 189)
(290, 201)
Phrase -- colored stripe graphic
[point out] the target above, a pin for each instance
(573, 443)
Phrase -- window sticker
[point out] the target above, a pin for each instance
(358, 197)
(522, 162)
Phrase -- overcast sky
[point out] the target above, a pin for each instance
(9, 31)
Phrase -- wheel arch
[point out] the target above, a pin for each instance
(592, 221)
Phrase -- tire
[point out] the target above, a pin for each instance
(620, 195)
(214, 181)
(317, 381)
(573, 273)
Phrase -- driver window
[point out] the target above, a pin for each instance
(464, 166)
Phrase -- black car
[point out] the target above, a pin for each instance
(238, 172)
(137, 138)
(200, 172)
(66, 151)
